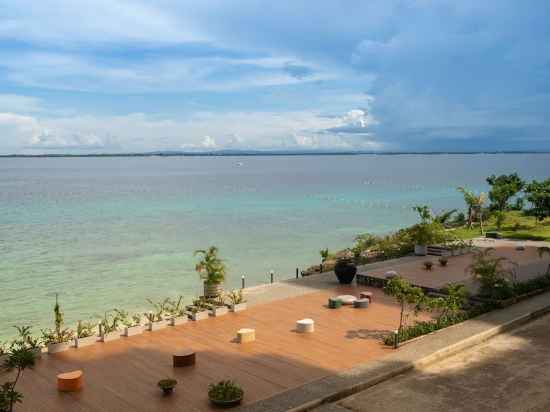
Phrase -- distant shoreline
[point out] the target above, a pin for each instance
(267, 153)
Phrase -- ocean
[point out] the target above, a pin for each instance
(111, 232)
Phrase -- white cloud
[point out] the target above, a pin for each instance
(199, 131)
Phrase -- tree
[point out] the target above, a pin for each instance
(503, 188)
(20, 357)
(210, 268)
(538, 194)
(475, 206)
(406, 295)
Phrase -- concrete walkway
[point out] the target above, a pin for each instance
(508, 373)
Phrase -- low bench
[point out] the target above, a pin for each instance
(184, 358)
(69, 381)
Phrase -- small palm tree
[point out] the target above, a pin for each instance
(475, 205)
(211, 270)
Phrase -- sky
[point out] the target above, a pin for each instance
(109, 76)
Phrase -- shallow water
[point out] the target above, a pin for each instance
(110, 232)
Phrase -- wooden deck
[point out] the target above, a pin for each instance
(122, 375)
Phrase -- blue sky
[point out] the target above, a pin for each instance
(113, 76)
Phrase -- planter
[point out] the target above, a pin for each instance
(58, 347)
(226, 404)
(420, 250)
(152, 326)
(133, 330)
(238, 307)
(219, 311)
(108, 337)
(87, 341)
(179, 320)
(345, 272)
(212, 290)
(196, 316)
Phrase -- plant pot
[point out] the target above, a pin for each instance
(345, 272)
(420, 250)
(219, 311)
(87, 341)
(238, 307)
(226, 404)
(152, 326)
(201, 315)
(108, 337)
(212, 290)
(58, 347)
(133, 330)
(177, 320)
(167, 391)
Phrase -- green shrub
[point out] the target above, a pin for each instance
(225, 391)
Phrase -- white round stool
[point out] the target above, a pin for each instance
(305, 326)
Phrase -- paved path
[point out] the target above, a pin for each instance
(511, 372)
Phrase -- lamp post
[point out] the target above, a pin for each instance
(271, 273)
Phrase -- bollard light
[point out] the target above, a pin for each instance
(395, 339)
(242, 282)
(271, 274)
(297, 271)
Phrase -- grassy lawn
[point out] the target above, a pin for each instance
(515, 226)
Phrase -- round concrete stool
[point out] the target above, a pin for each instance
(183, 358)
(366, 295)
(334, 303)
(246, 335)
(390, 274)
(69, 381)
(305, 326)
(347, 299)
(361, 303)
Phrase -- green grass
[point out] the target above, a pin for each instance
(516, 226)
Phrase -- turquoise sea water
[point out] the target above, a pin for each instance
(111, 232)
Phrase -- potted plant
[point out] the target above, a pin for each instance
(57, 339)
(199, 309)
(176, 312)
(345, 271)
(132, 324)
(109, 327)
(155, 318)
(443, 261)
(217, 305)
(225, 394)
(211, 270)
(85, 334)
(428, 264)
(167, 386)
(236, 299)
(17, 359)
(24, 340)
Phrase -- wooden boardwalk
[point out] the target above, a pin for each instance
(122, 375)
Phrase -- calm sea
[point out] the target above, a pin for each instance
(111, 232)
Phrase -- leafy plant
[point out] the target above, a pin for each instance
(444, 218)
(58, 334)
(175, 308)
(167, 385)
(406, 295)
(219, 300)
(424, 213)
(475, 206)
(443, 261)
(428, 264)
(25, 339)
(500, 216)
(85, 329)
(236, 296)
(159, 310)
(324, 254)
(210, 268)
(20, 357)
(125, 319)
(110, 322)
(489, 271)
(225, 391)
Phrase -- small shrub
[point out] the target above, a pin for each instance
(443, 261)
(85, 329)
(225, 391)
(236, 297)
(167, 385)
(428, 265)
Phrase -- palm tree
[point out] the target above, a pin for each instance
(475, 206)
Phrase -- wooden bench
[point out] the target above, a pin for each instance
(184, 358)
(69, 381)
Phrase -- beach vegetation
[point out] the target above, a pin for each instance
(503, 189)
(411, 299)
(174, 307)
(210, 267)
(159, 310)
(475, 204)
(538, 195)
(85, 329)
(110, 322)
(494, 278)
(25, 339)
